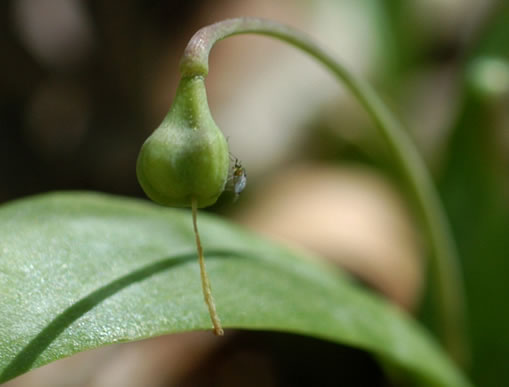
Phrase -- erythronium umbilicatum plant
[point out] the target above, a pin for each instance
(82, 270)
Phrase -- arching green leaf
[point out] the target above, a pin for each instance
(83, 270)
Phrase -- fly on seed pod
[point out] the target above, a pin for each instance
(238, 178)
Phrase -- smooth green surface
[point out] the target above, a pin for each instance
(83, 270)
(187, 155)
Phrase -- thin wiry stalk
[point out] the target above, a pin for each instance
(205, 283)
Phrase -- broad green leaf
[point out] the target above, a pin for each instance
(83, 270)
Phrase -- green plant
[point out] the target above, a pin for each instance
(110, 255)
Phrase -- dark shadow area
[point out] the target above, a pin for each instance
(27, 356)
(274, 359)
(74, 114)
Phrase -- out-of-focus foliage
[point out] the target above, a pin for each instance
(475, 186)
(473, 167)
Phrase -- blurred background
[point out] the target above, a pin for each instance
(83, 83)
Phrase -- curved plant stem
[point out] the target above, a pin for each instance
(205, 284)
(444, 263)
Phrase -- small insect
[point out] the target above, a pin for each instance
(238, 179)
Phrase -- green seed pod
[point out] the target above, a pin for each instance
(187, 155)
